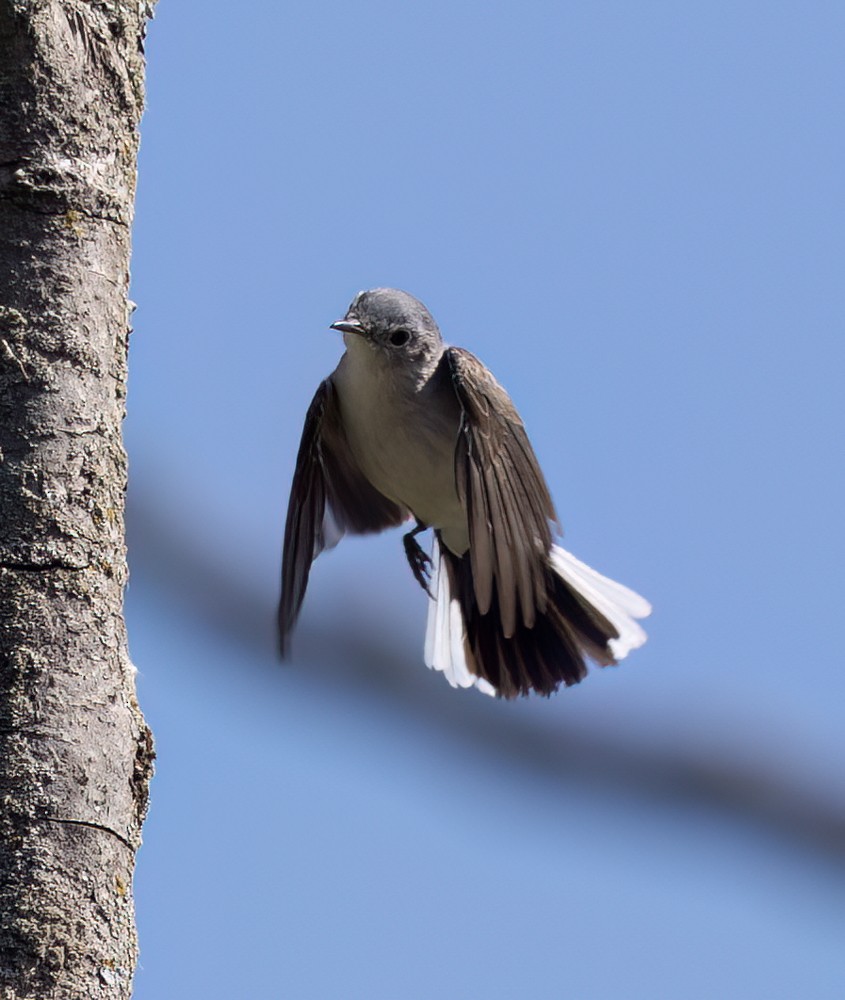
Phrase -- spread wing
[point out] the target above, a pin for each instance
(507, 501)
(329, 496)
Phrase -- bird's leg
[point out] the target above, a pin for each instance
(418, 560)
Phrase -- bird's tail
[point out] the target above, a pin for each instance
(586, 615)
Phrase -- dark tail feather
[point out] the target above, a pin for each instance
(583, 618)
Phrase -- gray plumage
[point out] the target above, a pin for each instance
(406, 425)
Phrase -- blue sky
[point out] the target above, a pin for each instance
(633, 213)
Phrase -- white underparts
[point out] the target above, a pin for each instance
(331, 532)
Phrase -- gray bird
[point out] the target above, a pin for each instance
(408, 427)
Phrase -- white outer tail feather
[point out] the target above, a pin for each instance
(445, 639)
(445, 636)
(619, 605)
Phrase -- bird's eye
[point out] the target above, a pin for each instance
(399, 338)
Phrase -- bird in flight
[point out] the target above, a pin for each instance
(408, 427)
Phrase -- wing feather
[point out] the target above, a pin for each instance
(481, 534)
(508, 503)
(329, 496)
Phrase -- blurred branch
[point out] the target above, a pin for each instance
(354, 656)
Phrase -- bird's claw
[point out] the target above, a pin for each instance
(418, 560)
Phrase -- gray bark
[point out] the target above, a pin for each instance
(75, 753)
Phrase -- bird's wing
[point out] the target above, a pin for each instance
(508, 505)
(329, 496)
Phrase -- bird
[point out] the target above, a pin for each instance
(409, 428)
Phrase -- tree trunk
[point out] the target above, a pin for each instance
(75, 753)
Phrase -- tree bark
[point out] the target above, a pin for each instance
(75, 753)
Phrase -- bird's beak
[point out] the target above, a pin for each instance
(348, 326)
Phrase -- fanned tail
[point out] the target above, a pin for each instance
(586, 615)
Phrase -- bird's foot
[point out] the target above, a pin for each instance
(418, 560)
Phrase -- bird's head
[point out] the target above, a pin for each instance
(394, 326)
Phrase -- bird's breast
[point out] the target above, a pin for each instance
(403, 437)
